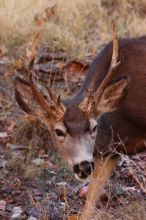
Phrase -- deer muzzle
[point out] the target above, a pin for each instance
(83, 170)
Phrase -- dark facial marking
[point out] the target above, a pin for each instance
(76, 121)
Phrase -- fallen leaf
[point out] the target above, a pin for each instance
(11, 127)
(49, 165)
(83, 192)
(75, 69)
(19, 64)
(41, 152)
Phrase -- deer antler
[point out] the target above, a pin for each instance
(88, 104)
(56, 108)
(113, 66)
(91, 101)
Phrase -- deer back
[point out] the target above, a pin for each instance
(128, 123)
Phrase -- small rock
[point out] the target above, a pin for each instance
(32, 218)
(38, 161)
(17, 211)
(3, 164)
(3, 134)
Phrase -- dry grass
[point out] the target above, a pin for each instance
(123, 204)
(131, 210)
(80, 27)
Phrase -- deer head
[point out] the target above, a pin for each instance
(73, 127)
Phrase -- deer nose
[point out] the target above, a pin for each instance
(84, 169)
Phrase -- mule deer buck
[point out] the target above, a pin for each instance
(106, 118)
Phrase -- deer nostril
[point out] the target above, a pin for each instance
(76, 168)
(88, 169)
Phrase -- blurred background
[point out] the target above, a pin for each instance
(80, 27)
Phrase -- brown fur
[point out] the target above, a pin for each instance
(120, 131)
(123, 130)
(102, 172)
(75, 121)
(127, 124)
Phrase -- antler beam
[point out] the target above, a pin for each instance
(56, 108)
(113, 67)
(91, 101)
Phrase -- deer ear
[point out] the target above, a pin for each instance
(112, 96)
(22, 89)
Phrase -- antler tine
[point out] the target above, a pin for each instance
(32, 78)
(113, 66)
(56, 110)
(56, 100)
(89, 103)
(52, 96)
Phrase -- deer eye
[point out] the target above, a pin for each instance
(94, 128)
(59, 133)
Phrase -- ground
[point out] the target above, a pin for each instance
(34, 181)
